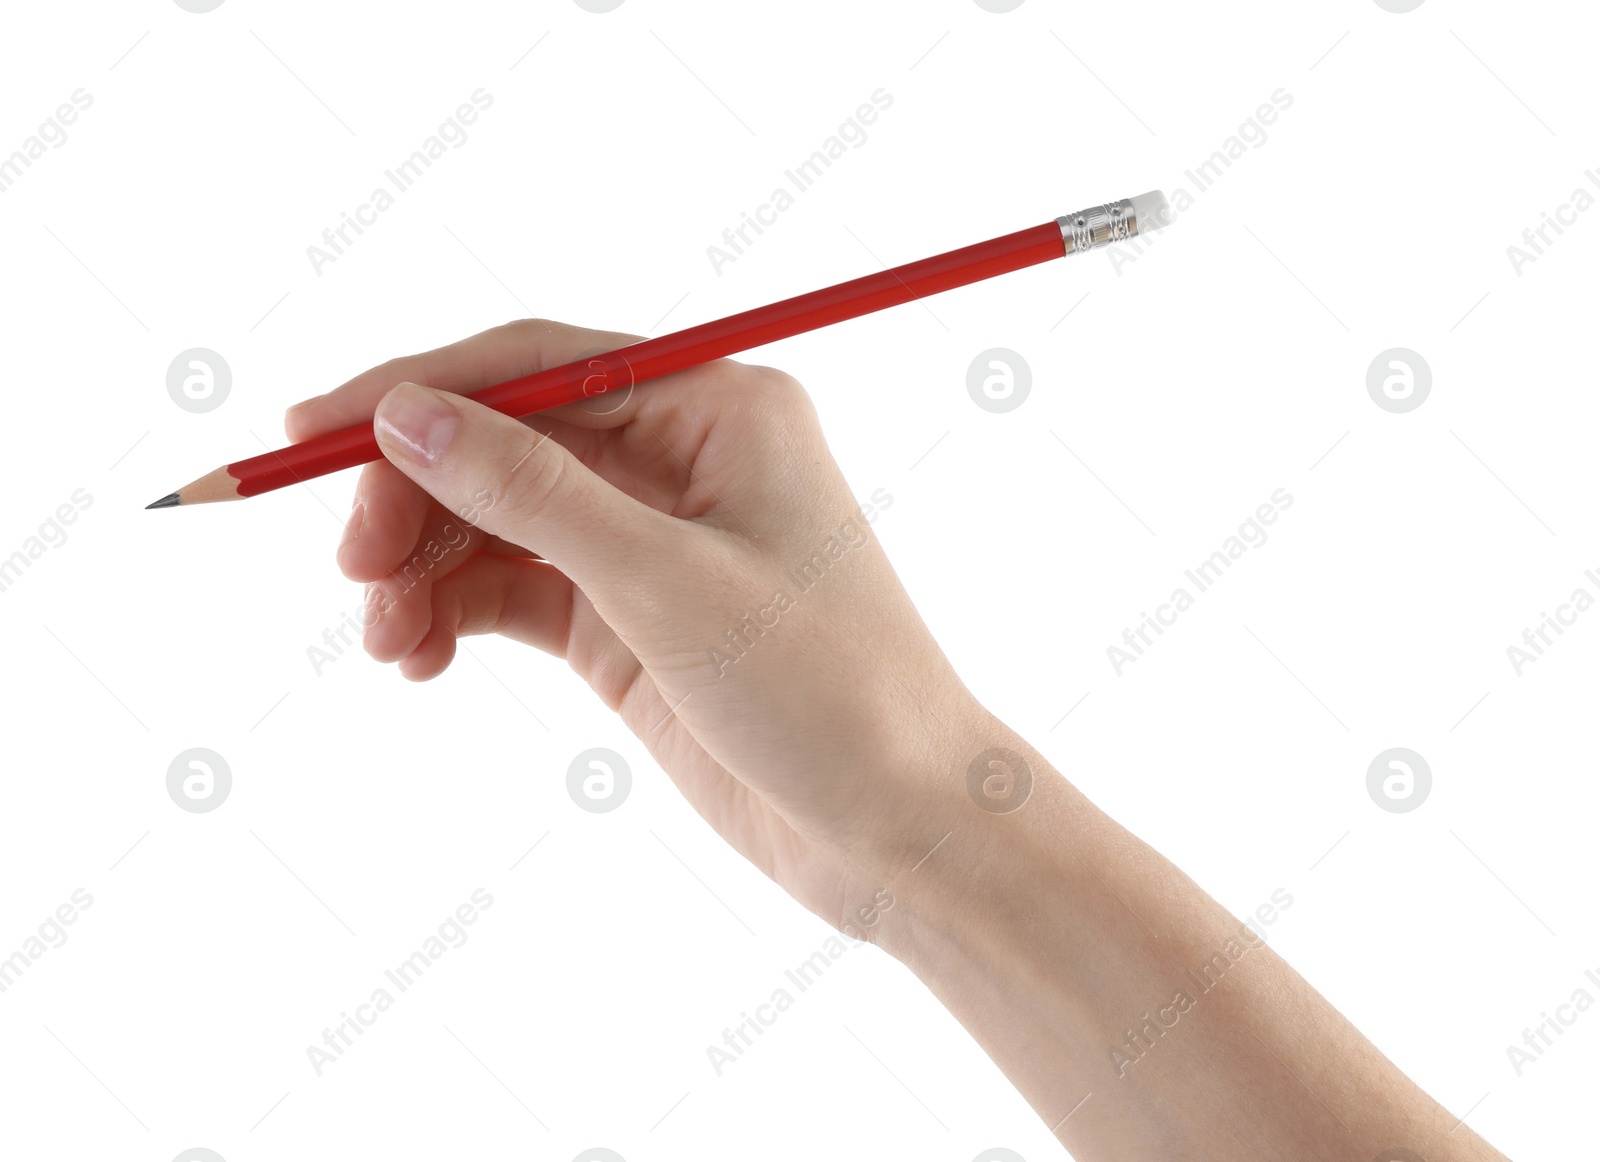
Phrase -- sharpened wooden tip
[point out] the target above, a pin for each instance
(210, 488)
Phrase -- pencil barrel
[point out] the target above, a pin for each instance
(680, 350)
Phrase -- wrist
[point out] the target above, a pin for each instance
(977, 814)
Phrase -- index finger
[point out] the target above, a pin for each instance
(506, 352)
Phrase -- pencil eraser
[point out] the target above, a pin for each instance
(1151, 212)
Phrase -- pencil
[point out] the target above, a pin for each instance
(651, 358)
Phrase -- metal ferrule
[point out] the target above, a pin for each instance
(1098, 226)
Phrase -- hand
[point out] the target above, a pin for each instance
(705, 569)
(702, 564)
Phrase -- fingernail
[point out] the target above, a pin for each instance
(417, 422)
(352, 528)
(304, 403)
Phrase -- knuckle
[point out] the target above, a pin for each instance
(779, 383)
(776, 402)
(528, 328)
(401, 369)
(404, 367)
(523, 334)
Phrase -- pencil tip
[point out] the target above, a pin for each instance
(168, 501)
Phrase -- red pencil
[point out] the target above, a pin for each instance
(650, 358)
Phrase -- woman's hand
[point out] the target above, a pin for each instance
(705, 569)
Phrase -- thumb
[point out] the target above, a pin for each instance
(518, 484)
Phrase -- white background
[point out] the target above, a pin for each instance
(1186, 385)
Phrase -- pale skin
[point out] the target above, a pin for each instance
(831, 746)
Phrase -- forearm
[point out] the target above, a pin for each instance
(1134, 1013)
